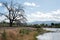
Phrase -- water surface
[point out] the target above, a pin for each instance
(51, 35)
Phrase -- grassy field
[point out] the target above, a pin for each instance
(20, 33)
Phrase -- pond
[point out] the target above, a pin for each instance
(51, 35)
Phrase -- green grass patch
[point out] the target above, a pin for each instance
(24, 31)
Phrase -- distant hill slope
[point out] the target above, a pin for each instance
(45, 22)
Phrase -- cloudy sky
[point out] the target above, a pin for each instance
(38, 10)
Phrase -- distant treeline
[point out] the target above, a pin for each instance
(7, 24)
(52, 25)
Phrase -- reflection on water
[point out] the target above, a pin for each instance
(52, 29)
(50, 36)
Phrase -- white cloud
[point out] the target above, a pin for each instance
(40, 16)
(31, 4)
(0, 4)
(2, 18)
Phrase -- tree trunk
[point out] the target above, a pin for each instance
(11, 22)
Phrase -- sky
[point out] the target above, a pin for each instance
(38, 10)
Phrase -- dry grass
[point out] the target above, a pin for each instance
(13, 34)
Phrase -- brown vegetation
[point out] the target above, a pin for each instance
(20, 33)
(14, 34)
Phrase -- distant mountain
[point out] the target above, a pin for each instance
(45, 22)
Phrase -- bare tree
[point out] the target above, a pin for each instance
(15, 13)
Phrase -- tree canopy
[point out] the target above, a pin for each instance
(15, 13)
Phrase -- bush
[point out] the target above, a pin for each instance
(40, 30)
(36, 26)
(24, 31)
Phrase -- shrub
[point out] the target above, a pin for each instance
(36, 26)
(24, 31)
(40, 30)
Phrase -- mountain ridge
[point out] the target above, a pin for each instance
(44, 22)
